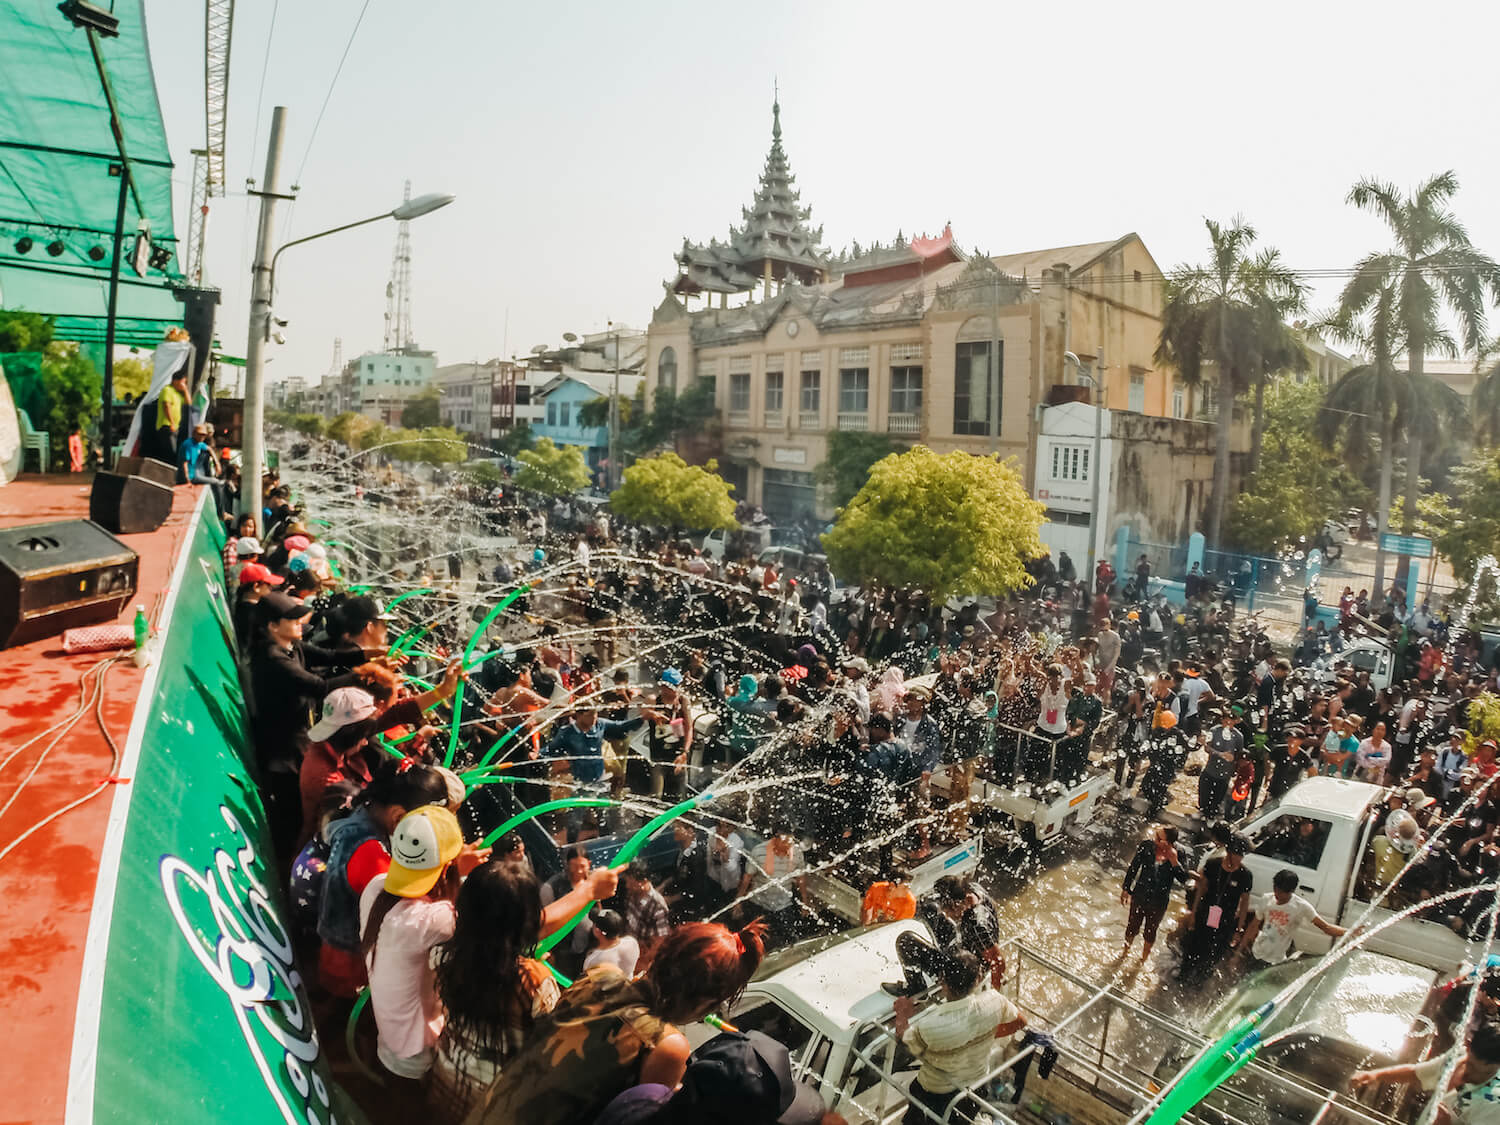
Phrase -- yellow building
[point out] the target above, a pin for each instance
(893, 339)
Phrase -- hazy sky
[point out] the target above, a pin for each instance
(585, 140)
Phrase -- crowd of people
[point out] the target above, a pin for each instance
(860, 723)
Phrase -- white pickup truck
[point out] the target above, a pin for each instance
(1323, 830)
(846, 901)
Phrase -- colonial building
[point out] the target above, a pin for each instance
(379, 383)
(895, 339)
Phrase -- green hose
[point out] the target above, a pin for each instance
(458, 698)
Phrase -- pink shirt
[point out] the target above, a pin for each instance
(403, 994)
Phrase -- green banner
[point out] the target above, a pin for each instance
(204, 1016)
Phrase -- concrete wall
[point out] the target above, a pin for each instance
(1162, 471)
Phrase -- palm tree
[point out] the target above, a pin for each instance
(1232, 313)
(1377, 402)
(1432, 265)
(1487, 394)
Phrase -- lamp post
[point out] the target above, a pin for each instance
(613, 476)
(1095, 381)
(262, 291)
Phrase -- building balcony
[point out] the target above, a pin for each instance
(739, 418)
(773, 420)
(809, 419)
(904, 424)
(858, 423)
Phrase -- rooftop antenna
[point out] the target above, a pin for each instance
(398, 289)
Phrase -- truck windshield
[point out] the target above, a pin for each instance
(1294, 839)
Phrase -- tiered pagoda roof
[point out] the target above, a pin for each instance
(774, 231)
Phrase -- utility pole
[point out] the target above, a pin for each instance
(253, 456)
(992, 407)
(614, 422)
(1096, 470)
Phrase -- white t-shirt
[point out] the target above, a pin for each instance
(623, 955)
(727, 869)
(771, 890)
(1278, 922)
(403, 995)
(1193, 688)
(1054, 710)
(1470, 1105)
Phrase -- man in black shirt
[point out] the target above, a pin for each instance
(1290, 763)
(960, 916)
(288, 679)
(688, 892)
(1219, 904)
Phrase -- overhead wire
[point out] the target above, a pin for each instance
(260, 99)
(338, 70)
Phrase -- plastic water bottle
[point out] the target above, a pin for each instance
(141, 655)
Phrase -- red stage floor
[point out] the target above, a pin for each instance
(47, 882)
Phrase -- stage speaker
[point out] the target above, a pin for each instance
(54, 576)
(227, 415)
(148, 467)
(129, 505)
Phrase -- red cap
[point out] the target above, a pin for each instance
(256, 572)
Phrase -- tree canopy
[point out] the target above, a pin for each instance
(665, 491)
(551, 469)
(1469, 529)
(132, 376)
(846, 468)
(948, 524)
(1300, 483)
(515, 439)
(422, 410)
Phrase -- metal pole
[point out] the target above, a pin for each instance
(992, 407)
(1096, 523)
(613, 476)
(106, 416)
(252, 457)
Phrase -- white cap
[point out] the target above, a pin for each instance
(247, 545)
(341, 707)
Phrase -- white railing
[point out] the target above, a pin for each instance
(739, 418)
(904, 424)
(809, 419)
(859, 422)
(773, 420)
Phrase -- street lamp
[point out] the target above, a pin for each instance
(1095, 469)
(262, 288)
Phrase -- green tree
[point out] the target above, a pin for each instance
(1468, 530)
(850, 455)
(434, 445)
(24, 332)
(671, 416)
(947, 524)
(74, 394)
(665, 491)
(1432, 265)
(1232, 313)
(486, 474)
(132, 376)
(1301, 481)
(516, 438)
(422, 410)
(349, 428)
(553, 470)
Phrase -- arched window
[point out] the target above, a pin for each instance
(666, 370)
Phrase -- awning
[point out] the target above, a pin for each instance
(56, 191)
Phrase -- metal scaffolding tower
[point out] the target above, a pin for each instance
(398, 338)
(208, 162)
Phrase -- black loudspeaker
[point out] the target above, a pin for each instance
(54, 576)
(129, 505)
(148, 467)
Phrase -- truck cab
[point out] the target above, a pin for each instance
(1324, 830)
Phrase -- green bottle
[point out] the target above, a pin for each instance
(142, 628)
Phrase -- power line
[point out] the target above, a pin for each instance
(338, 70)
(260, 101)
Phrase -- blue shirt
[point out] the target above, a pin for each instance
(586, 748)
(188, 455)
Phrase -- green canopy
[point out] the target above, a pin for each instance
(56, 191)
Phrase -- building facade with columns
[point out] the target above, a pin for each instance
(800, 344)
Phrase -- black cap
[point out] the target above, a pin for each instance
(280, 607)
(357, 613)
(745, 1078)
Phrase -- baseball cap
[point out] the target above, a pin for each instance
(255, 572)
(671, 677)
(247, 545)
(341, 707)
(1416, 798)
(745, 1078)
(424, 842)
(356, 613)
(857, 664)
(280, 607)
